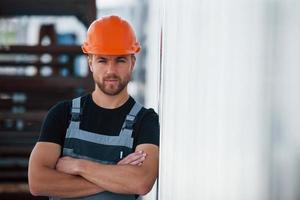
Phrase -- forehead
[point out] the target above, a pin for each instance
(111, 56)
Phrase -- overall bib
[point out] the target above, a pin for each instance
(100, 148)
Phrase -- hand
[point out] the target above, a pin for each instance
(67, 165)
(135, 158)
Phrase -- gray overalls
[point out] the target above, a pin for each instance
(99, 148)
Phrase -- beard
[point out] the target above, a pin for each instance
(112, 89)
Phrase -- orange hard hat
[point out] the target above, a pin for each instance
(110, 35)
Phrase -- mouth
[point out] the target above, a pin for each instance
(111, 81)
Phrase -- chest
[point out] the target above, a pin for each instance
(99, 136)
(102, 123)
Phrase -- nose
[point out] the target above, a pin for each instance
(111, 68)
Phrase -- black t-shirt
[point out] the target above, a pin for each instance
(100, 120)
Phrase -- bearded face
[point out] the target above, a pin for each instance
(112, 84)
(111, 74)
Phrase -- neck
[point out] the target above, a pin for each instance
(110, 102)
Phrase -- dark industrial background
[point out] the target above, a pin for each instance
(25, 99)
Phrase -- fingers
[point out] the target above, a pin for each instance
(138, 161)
(131, 158)
(134, 158)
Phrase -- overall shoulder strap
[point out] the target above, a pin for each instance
(131, 116)
(76, 109)
(127, 127)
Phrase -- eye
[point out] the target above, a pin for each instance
(101, 61)
(121, 60)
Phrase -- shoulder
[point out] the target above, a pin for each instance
(61, 106)
(147, 127)
(58, 113)
(60, 109)
(147, 114)
(56, 122)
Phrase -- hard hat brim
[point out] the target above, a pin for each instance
(102, 51)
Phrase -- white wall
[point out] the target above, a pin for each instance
(230, 99)
(213, 136)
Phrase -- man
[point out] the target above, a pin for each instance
(103, 145)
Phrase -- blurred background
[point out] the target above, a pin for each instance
(223, 76)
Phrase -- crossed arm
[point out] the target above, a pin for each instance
(68, 177)
(125, 179)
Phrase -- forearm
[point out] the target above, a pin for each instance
(126, 179)
(45, 181)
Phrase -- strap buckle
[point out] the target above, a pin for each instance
(75, 117)
(129, 122)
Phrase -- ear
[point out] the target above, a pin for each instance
(133, 59)
(90, 62)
